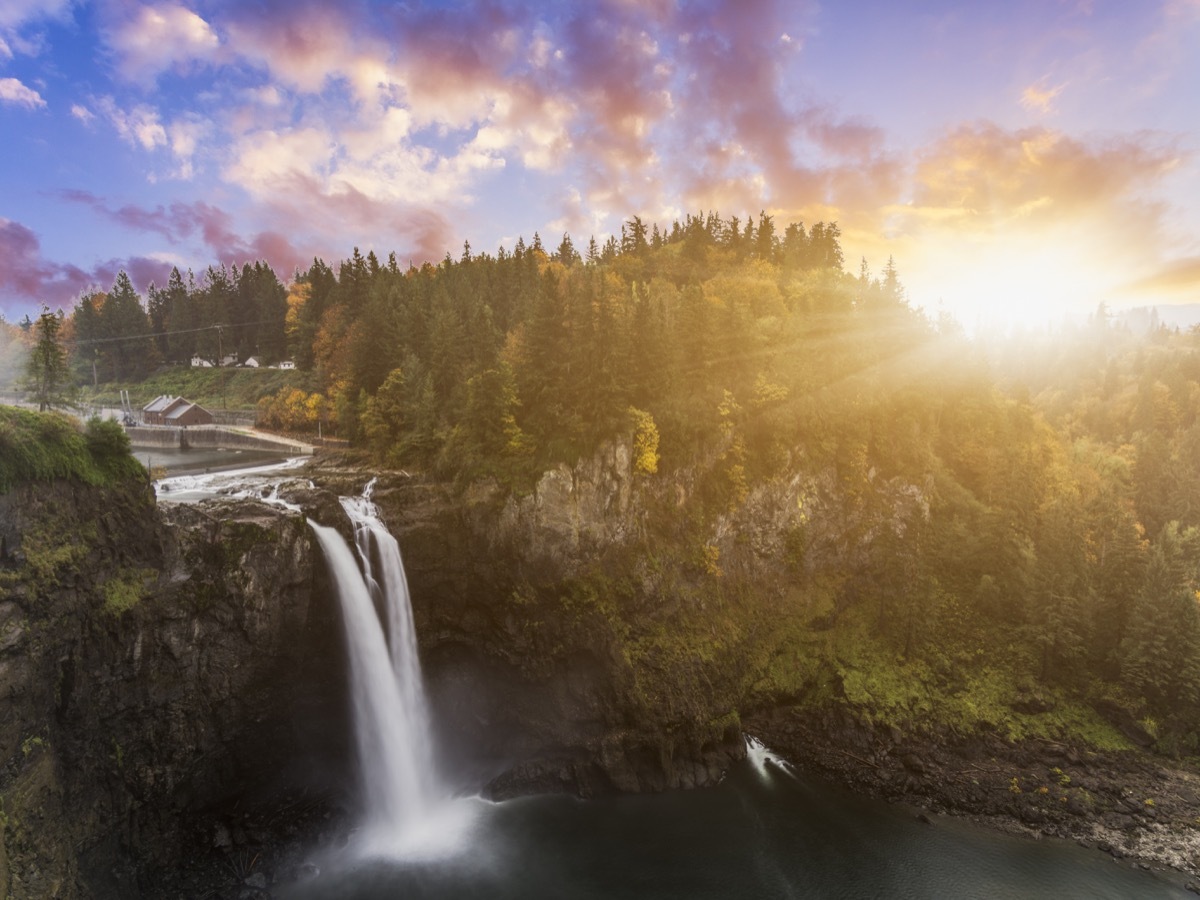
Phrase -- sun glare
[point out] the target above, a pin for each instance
(1015, 285)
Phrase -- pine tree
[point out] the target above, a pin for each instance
(47, 377)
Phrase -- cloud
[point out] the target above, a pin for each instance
(990, 176)
(305, 45)
(620, 79)
(346, 215)
(179, 223)
(25, 273)
(754, 138)
(139, 126)
(1040, 99)
(5, 50)
(184, 136)
(1010, 224)
(17, 13)
(175, 223)
(13, 91)
(157, 38)
(1179, 276)
(262, 159)
(28, 277)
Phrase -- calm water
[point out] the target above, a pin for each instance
(762, 834)
(198, 460)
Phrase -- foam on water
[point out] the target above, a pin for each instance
(255, 483)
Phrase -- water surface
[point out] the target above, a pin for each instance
(203, 459)
(762, 834)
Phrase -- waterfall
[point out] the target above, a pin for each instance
(391, 718)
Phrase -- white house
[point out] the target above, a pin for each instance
(252, 363)
(200, 363)
(286, 364)
(229, 360)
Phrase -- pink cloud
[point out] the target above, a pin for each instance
(181, 221)
(141, 271)
(305, 44)
(327, 216)
(621, 79)
(152, 39)
(29, 278)
(26, 273)
(750, 137)
(306, 220)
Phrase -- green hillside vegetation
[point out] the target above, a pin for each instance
(47, 446)
(1020, 537)
(214, 389)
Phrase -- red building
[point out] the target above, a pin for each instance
(167, 410)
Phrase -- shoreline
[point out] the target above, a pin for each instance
(1140, 809)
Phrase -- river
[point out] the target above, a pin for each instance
(763, 833)
(176, 461)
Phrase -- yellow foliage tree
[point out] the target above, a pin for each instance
(645, 442)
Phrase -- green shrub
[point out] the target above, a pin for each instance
(38, 446)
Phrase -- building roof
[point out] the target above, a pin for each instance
(158, 404)
(180, 411)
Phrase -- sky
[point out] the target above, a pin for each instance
(1020, 161)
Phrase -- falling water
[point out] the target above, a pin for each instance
(391, 720)
(378, 550)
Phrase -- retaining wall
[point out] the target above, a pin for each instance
(207, 436)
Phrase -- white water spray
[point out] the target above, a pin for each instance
(406, 808)
(763, 758)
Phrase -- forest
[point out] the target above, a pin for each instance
(1053, 565)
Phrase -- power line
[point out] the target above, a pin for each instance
(158, 334)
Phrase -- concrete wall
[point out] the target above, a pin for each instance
(146, 436)
(236, 440)
(209, 437)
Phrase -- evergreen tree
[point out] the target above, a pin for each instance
(47, 377)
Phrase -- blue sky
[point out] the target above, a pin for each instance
(1018, 160)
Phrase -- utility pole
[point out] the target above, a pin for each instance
(221, 364)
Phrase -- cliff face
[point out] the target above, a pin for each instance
(600, 633)
(541, 624)
(160, 663)
(149, 665)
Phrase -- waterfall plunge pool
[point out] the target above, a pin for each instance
(763, 833)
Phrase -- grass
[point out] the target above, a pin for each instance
(47, 446)
(241, 390)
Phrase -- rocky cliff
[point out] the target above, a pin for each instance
(173, 677)
(151, 670)
(172, 674)
(548, 638)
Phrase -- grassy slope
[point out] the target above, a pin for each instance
(44, 446)
(243, 388)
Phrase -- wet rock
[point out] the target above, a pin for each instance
(144, 715)
(256, 880)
